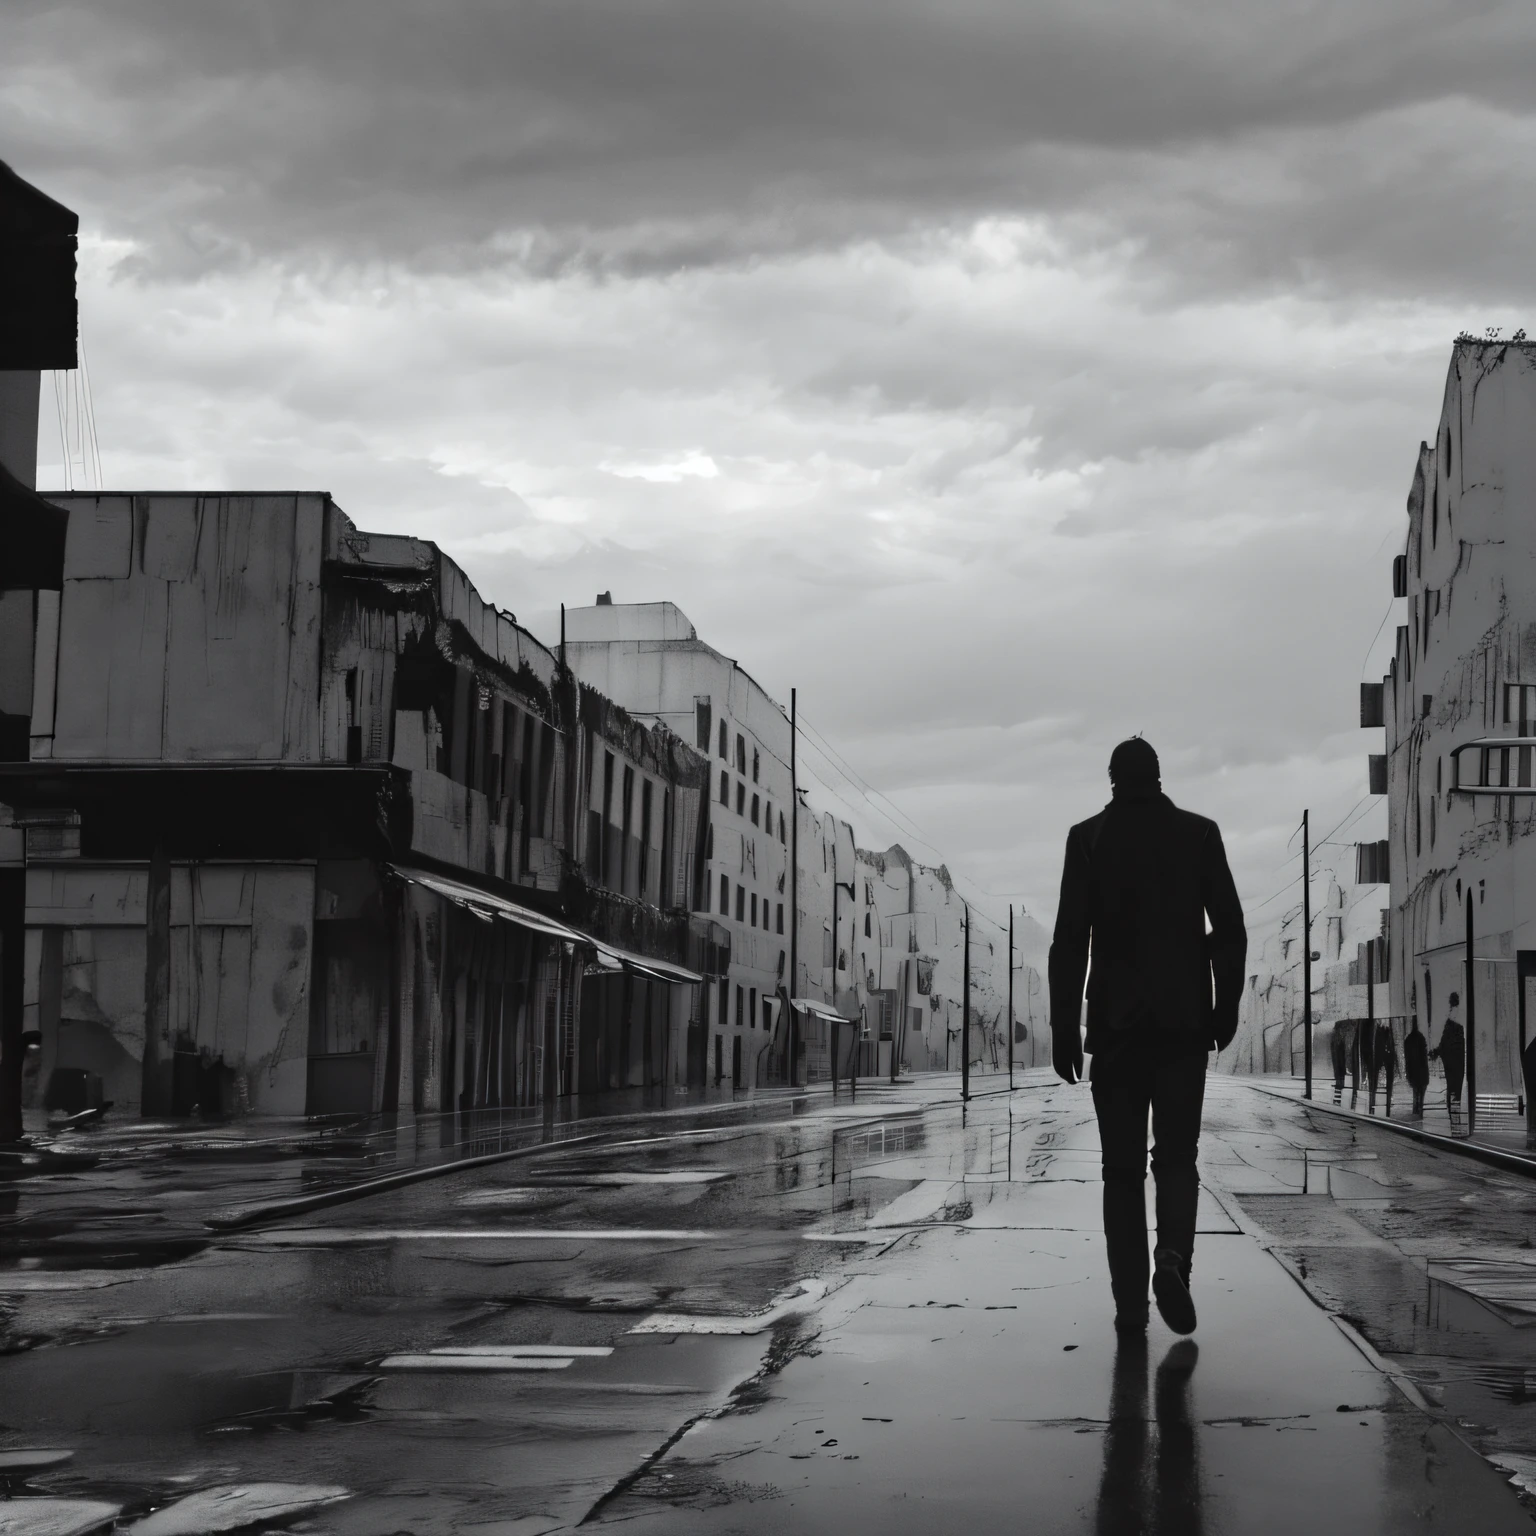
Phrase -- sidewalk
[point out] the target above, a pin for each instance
(971, 1380)
(1500, 1133)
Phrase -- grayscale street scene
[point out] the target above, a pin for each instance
(766, 770)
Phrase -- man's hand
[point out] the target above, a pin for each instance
(1067, 1057)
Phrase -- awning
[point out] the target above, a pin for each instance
(643, 965)
(483, 904)
(820, 1009)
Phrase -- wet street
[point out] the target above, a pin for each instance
(803, 1314)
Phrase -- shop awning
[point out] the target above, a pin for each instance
(483, 904)
(820, 1009)
(644, 965)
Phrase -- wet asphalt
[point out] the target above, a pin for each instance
(815, 1315)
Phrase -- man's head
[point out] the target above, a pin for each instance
(1133, 765)
(1455, 1000)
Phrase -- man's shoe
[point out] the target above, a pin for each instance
(1172, 1294)
(1130, 1324)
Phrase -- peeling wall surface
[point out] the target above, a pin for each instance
(305, 827)
(1465, 670)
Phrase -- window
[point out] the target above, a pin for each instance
(741, 754)
(724, 750)
(741, 1003)
(768, 817)
(867, 933)
(755, 762)
(1520, 707)
(754, 909)
(826, 949)
(767, 1014)
(781, 964)
(754, 810)
(709, 842)
(645, 839)
(741, 903)
(725, 788)
(725, 1000)
(741, 799)
(779, 919)
(725, 897)
(781, 827)
(701, 721)
(752, 1009)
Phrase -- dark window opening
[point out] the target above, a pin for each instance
(756, 763)
(724, 750)
(741, 799)
(779, 917)
(754, 810)
(741, 903)
(725, 788)
(741, 754)
(725, 897)
(701, 714)
(754, 909)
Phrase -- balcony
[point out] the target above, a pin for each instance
(1493, 765)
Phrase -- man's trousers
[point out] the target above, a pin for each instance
(1127, 1085)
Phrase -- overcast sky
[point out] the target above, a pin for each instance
(1008, 378)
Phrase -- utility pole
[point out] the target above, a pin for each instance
(1471, 1027)
(1010, 997)
(965, 1015)
(794, 890)
(1306, 943)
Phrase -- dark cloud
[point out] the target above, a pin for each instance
(1247, 143)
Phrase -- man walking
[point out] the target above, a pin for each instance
(1139, 881)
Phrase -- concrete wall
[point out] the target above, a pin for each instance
(1466, 649)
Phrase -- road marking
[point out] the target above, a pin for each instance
(798, 1298)
(529, 1351)
(323, 1237)
(473, 1363)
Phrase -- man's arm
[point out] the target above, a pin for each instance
(1227, 942)
(1068, 964)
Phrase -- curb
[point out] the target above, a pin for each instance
(1510, 1161)
(239, 1217)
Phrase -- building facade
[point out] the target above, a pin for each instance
(307, 827)
(1458, 709)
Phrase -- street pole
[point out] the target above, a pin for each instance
(1471, 1027)
(1010, 997)
(965, 1015)
(1306, 943)
(794, 890)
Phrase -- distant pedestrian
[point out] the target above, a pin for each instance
(1138, 883)
(1452, 1055)
(1338, 1049)
(1416, 1065)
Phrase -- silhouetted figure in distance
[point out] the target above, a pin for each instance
(1138, 882)
(1416, 1064)
(1338, 1049)
(1452, 1055)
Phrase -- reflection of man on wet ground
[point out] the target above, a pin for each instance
(1139, 881)
(1137, 1495)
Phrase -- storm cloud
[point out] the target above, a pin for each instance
(1007, 379)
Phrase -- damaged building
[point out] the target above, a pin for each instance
(310, 828)
(1458, 708)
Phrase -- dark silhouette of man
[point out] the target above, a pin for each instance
(1452, 1055)
(1138, 883)
(1416, 1064)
